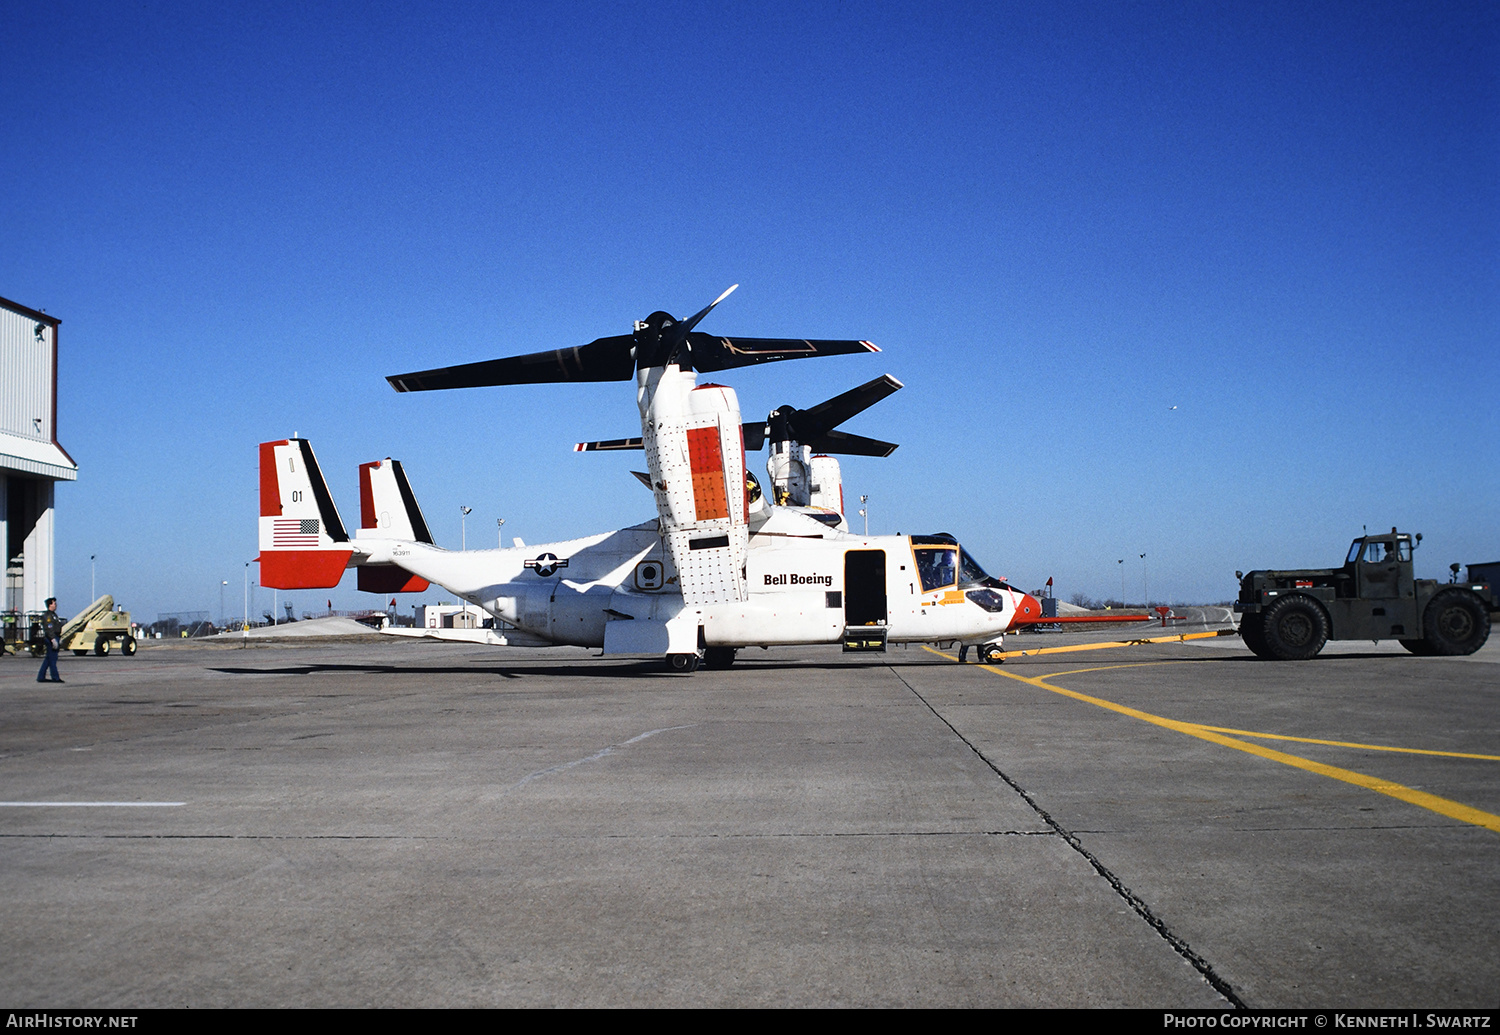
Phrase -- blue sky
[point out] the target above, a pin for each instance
(1058, 220)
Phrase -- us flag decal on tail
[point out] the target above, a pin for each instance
(294, 534)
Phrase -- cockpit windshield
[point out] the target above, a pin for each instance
(969, 571)
(941, 562)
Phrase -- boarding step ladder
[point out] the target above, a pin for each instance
(862, 638)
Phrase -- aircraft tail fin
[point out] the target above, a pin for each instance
(303, 544)
(388, 508)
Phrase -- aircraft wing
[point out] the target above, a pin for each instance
(710, 353)
(603, 359)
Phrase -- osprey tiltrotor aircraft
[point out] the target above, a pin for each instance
(720, 567)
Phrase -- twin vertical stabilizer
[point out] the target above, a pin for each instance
(303, 544)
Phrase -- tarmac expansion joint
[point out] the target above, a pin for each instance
(1136, 903)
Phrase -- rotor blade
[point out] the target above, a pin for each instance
(603, 359)
(710, 353)
(692, 322)
(609, 443)
(755, 435)
(849, 445)
(824, 417)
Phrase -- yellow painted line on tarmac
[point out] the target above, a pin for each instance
(1348, 744)
(1431, 802)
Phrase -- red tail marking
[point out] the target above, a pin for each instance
(303, 569)
(270, 487)
(367, 516)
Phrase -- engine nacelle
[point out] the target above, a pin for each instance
(696, 453)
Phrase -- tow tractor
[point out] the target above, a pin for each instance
(1289, 615)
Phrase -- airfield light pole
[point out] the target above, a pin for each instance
(864, 512)
(92, 594)
(463, 527)
(247, 600)
(223, 618)
(500, 533)
(1144, 592)
(1121, 563)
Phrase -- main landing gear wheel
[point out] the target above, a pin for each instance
(992, 654)
(683, 664)
(1455, 623)
(718, 657)
(1294, 629)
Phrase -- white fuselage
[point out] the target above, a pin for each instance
(803, 587)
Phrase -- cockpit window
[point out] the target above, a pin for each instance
(936, 567)
(1354, 549)
(969, 571)
(939, 539)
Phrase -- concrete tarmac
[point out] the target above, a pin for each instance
(399, 823)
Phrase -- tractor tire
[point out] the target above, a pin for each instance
(1253, 632)
(101, 647)
(718, 658)
(127, 646)
(1294, 629)
(1455, 623)
(80, 653)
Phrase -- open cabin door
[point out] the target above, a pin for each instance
(864, 587)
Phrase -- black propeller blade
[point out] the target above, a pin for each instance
(604, 359)
(845, 444)
(659, 340)
(710, 353)
(814, 425)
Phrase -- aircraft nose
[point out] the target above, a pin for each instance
(1028, 607)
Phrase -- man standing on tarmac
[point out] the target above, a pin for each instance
(52, 628)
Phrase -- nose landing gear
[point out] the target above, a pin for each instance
(989, 653)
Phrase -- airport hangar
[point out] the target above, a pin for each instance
(31, 460)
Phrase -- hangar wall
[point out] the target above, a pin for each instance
(31, 460)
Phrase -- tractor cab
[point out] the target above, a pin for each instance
(1379, 567)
